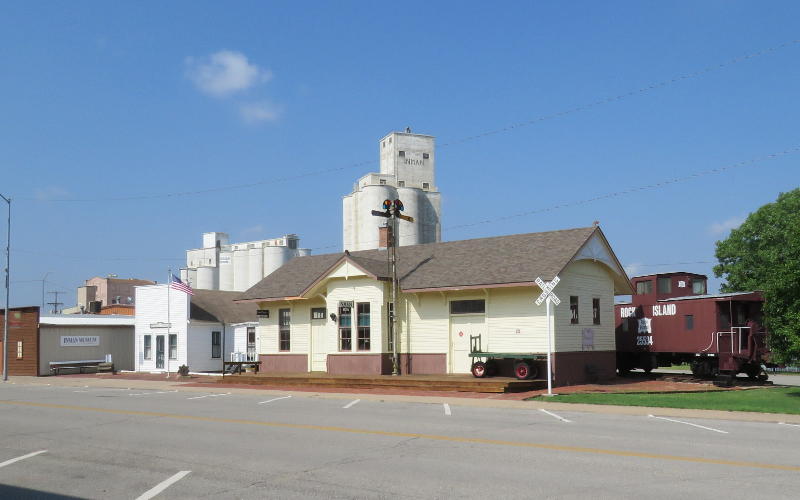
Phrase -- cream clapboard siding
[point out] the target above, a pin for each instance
(151, 308)
(514, 322)
(361, 289)
(586, 280)
(425, 324)
(299, 329)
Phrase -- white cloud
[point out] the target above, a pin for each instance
(256, 112)
(224, 73)
(719, 228)
(50, 193)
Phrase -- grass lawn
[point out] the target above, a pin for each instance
(773, 400)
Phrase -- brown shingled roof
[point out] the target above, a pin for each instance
(518, 258)
(219, 306)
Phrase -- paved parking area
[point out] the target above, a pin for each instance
(100, 442)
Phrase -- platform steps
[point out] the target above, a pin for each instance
(414, 383)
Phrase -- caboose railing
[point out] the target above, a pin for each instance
(735, 335)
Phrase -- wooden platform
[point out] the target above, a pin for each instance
(450, 383)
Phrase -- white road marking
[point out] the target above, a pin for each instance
(23, 457)
(689, 423)
(210, 396)
(351, 403)
(148, 393)
(274, 399)
(793, 425)
(555, 416)
(81, 391)
(163, 485)
(447, 409)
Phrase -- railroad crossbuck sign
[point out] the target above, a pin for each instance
(547, 291)
(549, 297)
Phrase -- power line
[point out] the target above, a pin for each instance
(644, 187)
(550, 116)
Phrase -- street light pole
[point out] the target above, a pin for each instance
(8, 281)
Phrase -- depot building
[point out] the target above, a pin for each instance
(331, 313)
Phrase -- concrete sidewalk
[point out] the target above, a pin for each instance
(183, 386)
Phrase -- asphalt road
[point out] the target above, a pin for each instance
(92, 442)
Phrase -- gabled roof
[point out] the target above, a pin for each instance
(503, 260)
(219, 306)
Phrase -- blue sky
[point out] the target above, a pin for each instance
(109, 100)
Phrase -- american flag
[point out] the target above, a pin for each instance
(177, 284)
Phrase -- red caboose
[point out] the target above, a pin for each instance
(672, 320)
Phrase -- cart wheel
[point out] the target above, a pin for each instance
(479, 369)
(491, 368)
(522, 370)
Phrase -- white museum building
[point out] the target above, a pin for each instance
(173, 328)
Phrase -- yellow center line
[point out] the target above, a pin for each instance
(432, 437)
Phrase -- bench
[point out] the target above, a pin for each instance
(98, 365)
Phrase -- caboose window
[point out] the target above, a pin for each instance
(689, 321)
(644, 287)
(664, 285)
(573, 308)
(699, 286)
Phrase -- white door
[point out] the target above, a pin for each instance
(319, 351)
(461, 327)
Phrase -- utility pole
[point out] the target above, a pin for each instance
(8, 281)
(391, 211)
(44, 280)
(55, 302)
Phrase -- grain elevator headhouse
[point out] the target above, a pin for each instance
(407, 172)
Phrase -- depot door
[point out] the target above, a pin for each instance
(159, 351)
(319, 351)
(461, 327)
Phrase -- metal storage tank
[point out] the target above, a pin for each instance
(207, 278)
(275, 257)
(241, 270)
(256, 266)
(371, 198)
(413, 200)
(226, 271)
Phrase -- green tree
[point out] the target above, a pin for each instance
(764, 254)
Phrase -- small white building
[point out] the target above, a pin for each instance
(407, 173)
(199, 331)
(330, 313)
(221, 265)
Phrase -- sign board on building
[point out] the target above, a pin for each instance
(79, 340)
(262, 313)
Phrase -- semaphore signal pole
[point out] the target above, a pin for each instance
(391, 211)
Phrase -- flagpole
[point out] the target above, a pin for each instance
(169, 285)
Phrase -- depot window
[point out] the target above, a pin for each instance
(664, 285)
(317, 313)
(573, 309)
(345, 326)
(173, 346)
(148, 347)
(284, 329)
(468, 306)
(362, 309)
(644, 287)
(596, 311)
